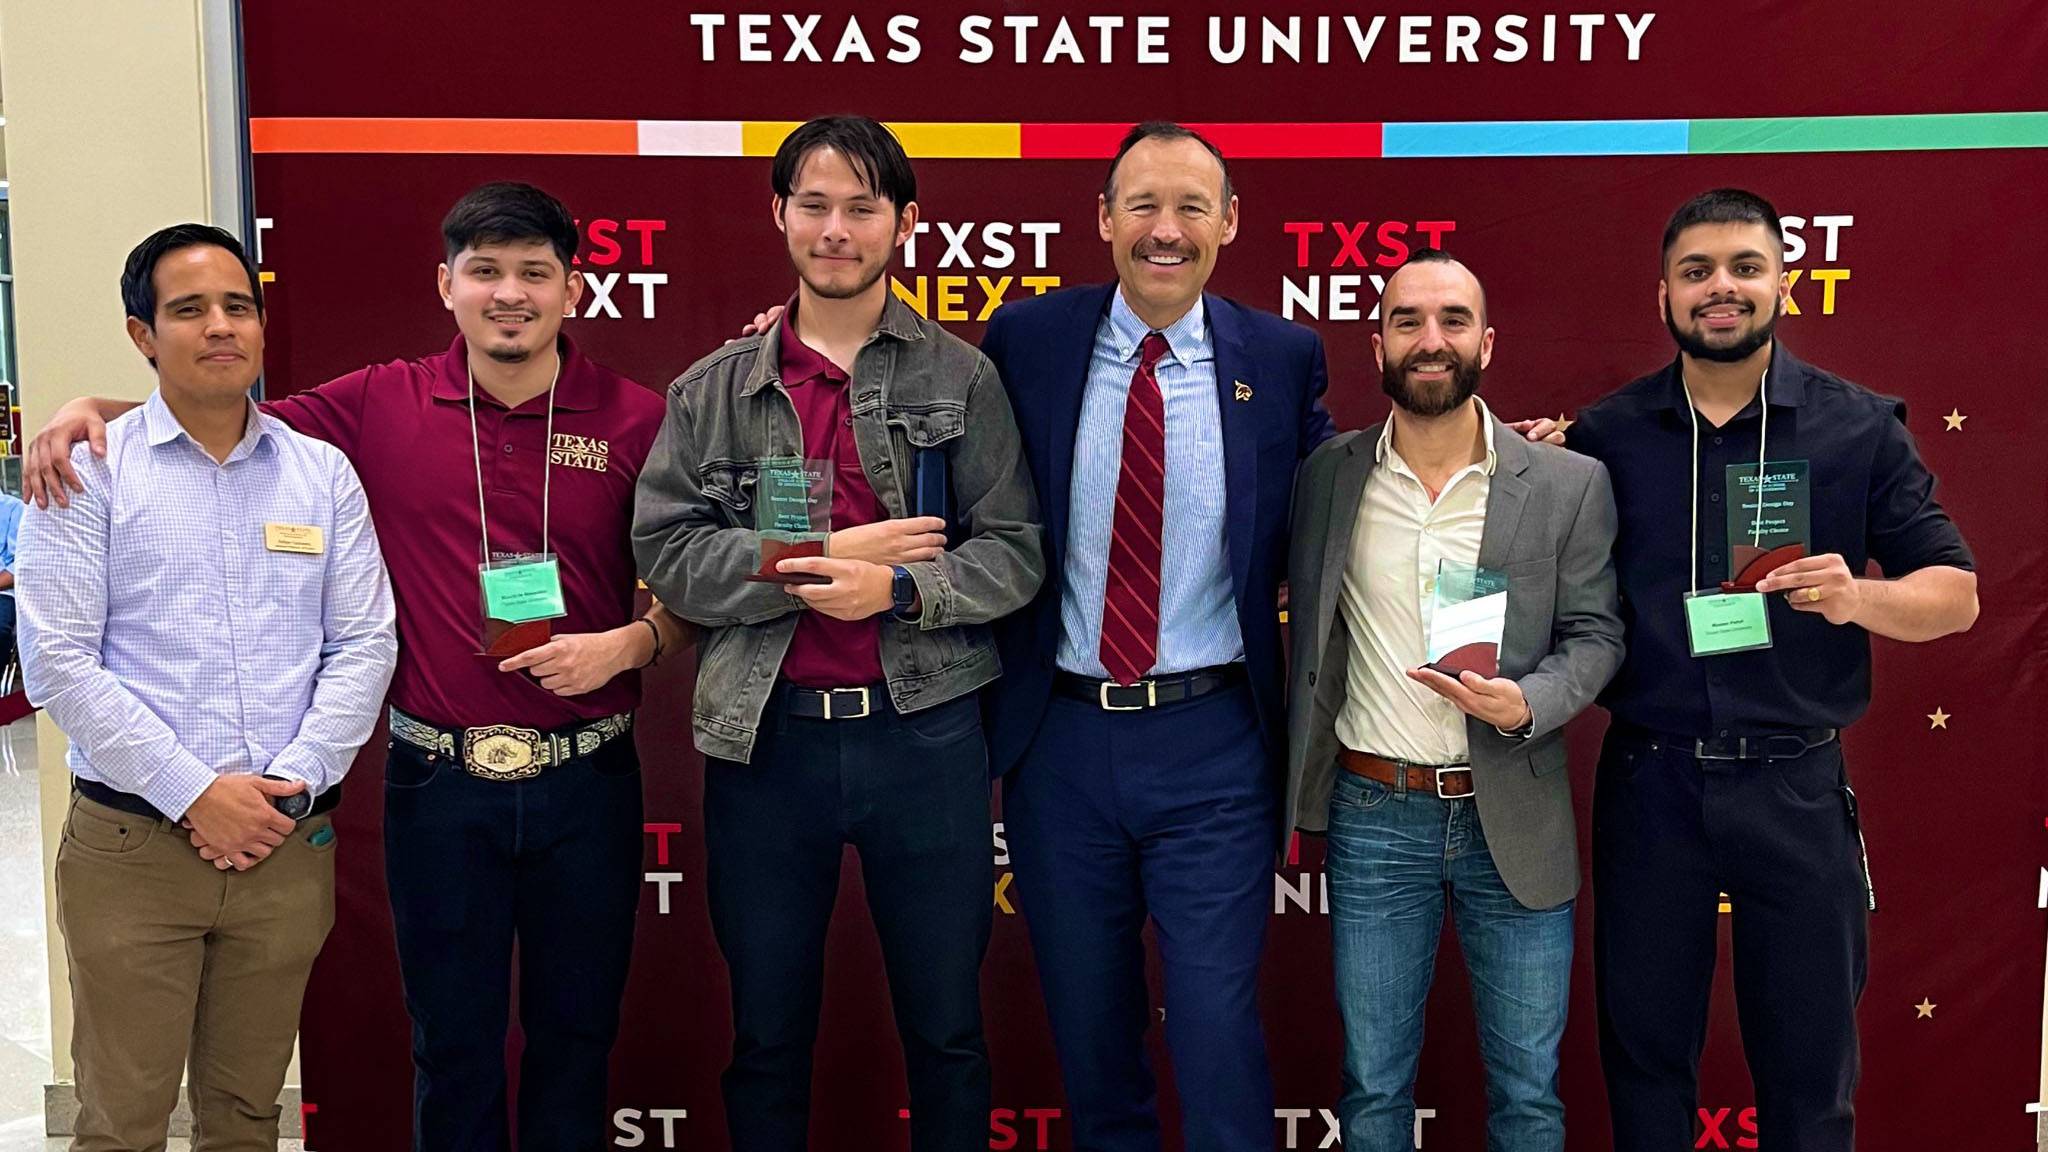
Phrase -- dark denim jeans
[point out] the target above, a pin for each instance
(911, 794)
(553, 861)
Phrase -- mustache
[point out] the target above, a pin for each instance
(1737, 302)
(1155, 248)
(1445, 358)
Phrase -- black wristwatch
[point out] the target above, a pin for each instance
(294, 806)
(903, 594)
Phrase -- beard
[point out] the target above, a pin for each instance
(1431, 399)
(509, 354)
(1745, 345)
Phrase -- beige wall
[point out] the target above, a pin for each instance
(106, 142)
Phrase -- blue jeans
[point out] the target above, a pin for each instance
(1393, 855)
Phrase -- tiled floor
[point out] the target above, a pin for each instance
(24, 964)
(24, 992)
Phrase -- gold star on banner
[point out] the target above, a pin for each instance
(1937, 719)
(1564, 425)
(1954, 420)
(1926, 1008)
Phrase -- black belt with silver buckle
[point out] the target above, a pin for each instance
(135, 805)
(831, 703)
(1781, 744)
(1111, 696)
(505, 751)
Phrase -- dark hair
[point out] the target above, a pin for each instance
(138, 276)
(1163, 130)
(873, 152)
(1430, 255)
(1723, 206)
(507, 211)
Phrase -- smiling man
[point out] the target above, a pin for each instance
(210, 623)
(1748, 651)
(1442, 793)
(845, 712)
(1140, 712)
(512, 806)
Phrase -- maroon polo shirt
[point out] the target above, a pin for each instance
(405, 427)
(825, 652)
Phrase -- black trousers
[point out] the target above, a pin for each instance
(911, 794)
(472, 864)
(1670, 832)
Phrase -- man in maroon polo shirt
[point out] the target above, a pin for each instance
(845, 712)
(512, 799)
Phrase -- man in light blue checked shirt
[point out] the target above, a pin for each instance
(211, 625)
(10, 526)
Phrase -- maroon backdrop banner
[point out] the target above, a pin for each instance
(1918, 275)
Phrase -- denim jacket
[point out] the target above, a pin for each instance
(914, 386)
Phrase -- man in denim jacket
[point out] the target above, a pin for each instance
(844, 711)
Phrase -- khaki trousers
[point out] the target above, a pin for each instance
(175, 963)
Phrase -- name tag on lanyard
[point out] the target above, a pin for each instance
(518, 594)
(1736, 617)
(523, 588)
(1718, 623)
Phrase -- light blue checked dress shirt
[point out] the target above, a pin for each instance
(1197, 606)
(171, 645)
(10, 527)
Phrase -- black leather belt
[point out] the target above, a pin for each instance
(135, 805)
(1111, 696)
(505, 751)
(833, 703)
(1779, 744)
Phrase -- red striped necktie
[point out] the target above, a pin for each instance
(1130, 599)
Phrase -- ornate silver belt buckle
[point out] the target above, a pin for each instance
(502, 752)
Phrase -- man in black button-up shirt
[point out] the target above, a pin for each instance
(1723, 772)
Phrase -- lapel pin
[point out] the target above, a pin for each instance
(1243, 391)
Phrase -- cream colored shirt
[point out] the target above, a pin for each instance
(1387, 597)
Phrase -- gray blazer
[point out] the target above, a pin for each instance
(1550, 526)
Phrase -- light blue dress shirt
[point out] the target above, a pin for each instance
(171, 645)
(1197, 605)
(10, 527)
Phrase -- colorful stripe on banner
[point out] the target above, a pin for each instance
(1538, 138)
(1356, 141)
(923, 140)
(1873, 133)
(1361, 140)
(503, 137)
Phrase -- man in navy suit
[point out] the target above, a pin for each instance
(1140, 712)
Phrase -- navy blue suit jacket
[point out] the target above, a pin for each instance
(1041, 346)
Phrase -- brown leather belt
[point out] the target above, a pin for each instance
(1446, 782)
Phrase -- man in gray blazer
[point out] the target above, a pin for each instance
(1429, 783)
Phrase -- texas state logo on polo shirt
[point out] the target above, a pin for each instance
(567, 451)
